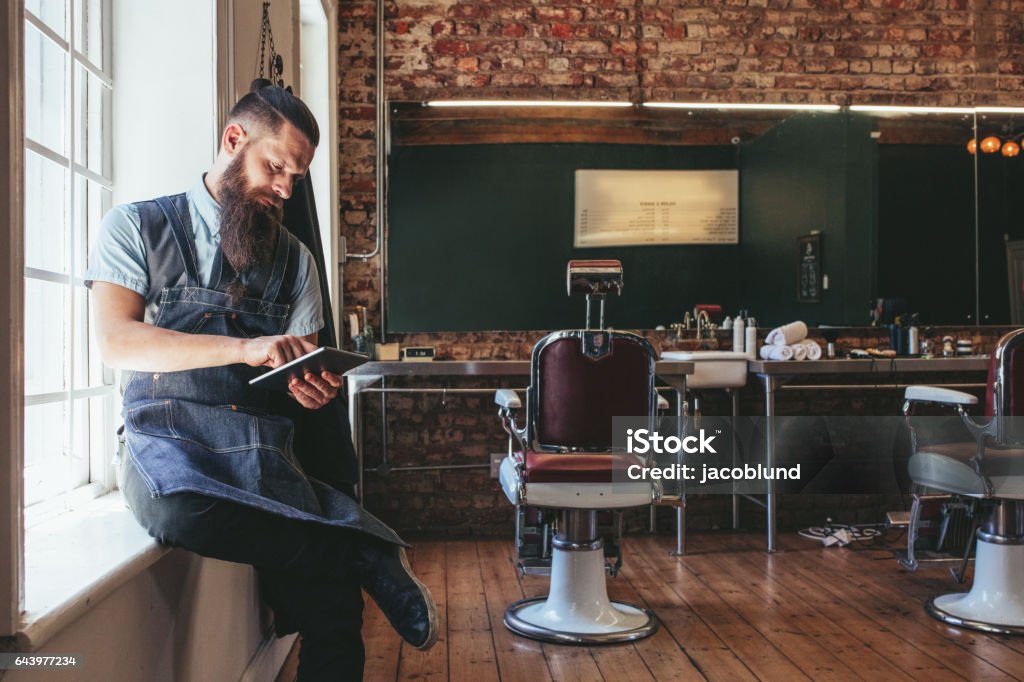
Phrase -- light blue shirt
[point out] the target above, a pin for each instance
(119, 257)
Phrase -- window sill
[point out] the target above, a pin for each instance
(75, 560)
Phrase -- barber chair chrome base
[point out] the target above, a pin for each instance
(995, 602)
(534, 530)
(577, 609)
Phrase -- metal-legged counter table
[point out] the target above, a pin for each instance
(672, 373)
(774, 374)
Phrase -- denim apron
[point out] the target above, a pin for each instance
(207, 430)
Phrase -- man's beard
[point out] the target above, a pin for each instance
(248, 228)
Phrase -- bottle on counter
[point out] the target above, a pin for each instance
(371, 346)
(948, 350)
(739, 336)
(913, 341)
(751, 340)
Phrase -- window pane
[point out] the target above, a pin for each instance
(78, 470)
(46, 214)
(92, 201)
(98, 374)
(101, 434)
(89, 371)
(46, 88)
(81, 355)
(89, 30)
(53, 13)
(46, 316)
(93, 112)
(46, 451)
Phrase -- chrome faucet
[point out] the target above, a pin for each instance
(687, 320)
(703, 322)
(704, 326)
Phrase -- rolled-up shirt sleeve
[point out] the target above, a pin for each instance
(307, 308)
(119, 254)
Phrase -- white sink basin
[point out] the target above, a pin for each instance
(712, 368)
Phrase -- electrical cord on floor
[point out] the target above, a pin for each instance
(841, 534)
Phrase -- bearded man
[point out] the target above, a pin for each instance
(194, 295)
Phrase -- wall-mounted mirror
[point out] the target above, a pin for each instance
(1000, 171)
(924, 211)
(481, 215)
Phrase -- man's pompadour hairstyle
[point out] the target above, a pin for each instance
(268, 106)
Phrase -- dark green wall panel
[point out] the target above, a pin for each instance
(479, 236)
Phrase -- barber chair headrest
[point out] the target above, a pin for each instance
(594, 277)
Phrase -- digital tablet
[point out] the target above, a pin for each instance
(325, 358)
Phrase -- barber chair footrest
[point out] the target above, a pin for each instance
(634, 623)
(996, 600)
(577, 609)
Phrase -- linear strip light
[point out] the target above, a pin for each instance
(910, 110)
(999, 110)
(524, 103)
(753, 106)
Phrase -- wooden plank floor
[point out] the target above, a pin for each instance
(728, 611)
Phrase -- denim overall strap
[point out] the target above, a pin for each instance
(286, 262)
(222, 273)
(178, 220)
(164, 263)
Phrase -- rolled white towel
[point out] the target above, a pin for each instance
(787, 334)
(799, 351)
(776, 353)
(813, 350)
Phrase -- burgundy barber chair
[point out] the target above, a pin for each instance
(988, 472)
(559, 472)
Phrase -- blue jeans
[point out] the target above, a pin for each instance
(304, 568)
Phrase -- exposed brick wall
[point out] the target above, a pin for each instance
(925, 52)
(780, 50)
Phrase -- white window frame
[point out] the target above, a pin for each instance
(94, 477)
(12, 138)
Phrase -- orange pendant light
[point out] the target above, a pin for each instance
(991, 144)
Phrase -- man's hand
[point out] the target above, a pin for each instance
(274, 351)
(315, 391)
(311, 391)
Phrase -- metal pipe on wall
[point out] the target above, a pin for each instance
(380, 109)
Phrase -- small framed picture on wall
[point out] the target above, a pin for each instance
(809, 269)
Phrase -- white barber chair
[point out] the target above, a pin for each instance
(559, 472)
(988, 472)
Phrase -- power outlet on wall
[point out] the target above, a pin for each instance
(496, 458)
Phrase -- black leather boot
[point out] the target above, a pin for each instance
(406, 602)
